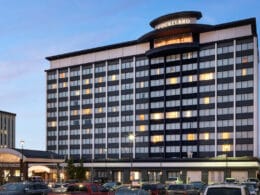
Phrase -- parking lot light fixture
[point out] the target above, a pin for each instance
(22, 167)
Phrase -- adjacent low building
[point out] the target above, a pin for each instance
(181, 100)
(7, 129)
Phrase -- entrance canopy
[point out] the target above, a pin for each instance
(12, 155)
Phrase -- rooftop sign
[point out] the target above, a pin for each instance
(176, 21)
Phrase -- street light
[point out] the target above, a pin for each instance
(22, 167)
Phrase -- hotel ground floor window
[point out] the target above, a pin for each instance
(154, 176)
(215, 177)
(239, 175)
(117, 176)
(135, 176)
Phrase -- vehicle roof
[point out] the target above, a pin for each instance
(226, 186)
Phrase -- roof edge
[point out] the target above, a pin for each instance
(91, 50)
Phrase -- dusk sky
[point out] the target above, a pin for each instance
(31, 30)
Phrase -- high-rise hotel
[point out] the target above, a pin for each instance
(181, 100)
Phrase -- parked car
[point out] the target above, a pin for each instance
(130, 191)
(226, 189)
(231, 180)
(154, 189)
(199, 185)
(24, 188)
(252, 187)
(85, 189)
(60, 187)
(182, 189)
(173, 180)
(111, 185)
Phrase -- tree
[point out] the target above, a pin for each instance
(70, 169)
(80, 171)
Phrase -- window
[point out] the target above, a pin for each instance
(175, 39)
(157, 138)
(142, 128)
(63, 75)
(204, 136)
(206, 76)
(87, 111)
(86, 81)
(206, 100)
(226, 148)
(172, 115)
(172, 81)
(157, 116)
(191, 137)
(173, 58)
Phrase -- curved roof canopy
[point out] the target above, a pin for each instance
(175, 18)
(12, 155)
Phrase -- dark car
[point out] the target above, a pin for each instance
(111, 185)
(131, 192)
(24, 188)
(182, 189)
(199, 185)
(154, 189)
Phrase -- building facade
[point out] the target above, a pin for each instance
(184, 91)
(7, 129)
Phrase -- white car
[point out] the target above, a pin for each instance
(226, 189)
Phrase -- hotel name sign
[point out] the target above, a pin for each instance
(176, 21)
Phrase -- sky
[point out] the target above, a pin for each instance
(31, 30)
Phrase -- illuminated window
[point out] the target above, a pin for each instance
(245, 59)
(171, 115)
(206, 100)
(86, 91)
(206, 76)
(113, 77)
(172, 81)
(74, 112)
(156, 138)
(141, 117)
(53, 124)
(157, 116)
(87, 111)
(54, 86)
(100, 110)
(191, 137)
(86, 81)
(62, 75)
(226, 148)
(190, 78)
(100, 79)
(187, 113)
(142, 128)
(206, 136)
(77, 92)
(185, 38)
(244, 72)
(225, 135)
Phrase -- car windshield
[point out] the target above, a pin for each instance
(224, 191)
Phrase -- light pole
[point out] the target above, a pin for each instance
(161, 159)
(131, 137)
(22, 167)
(226, 149)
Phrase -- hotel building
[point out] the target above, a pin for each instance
(7, 129)
(181, 100)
